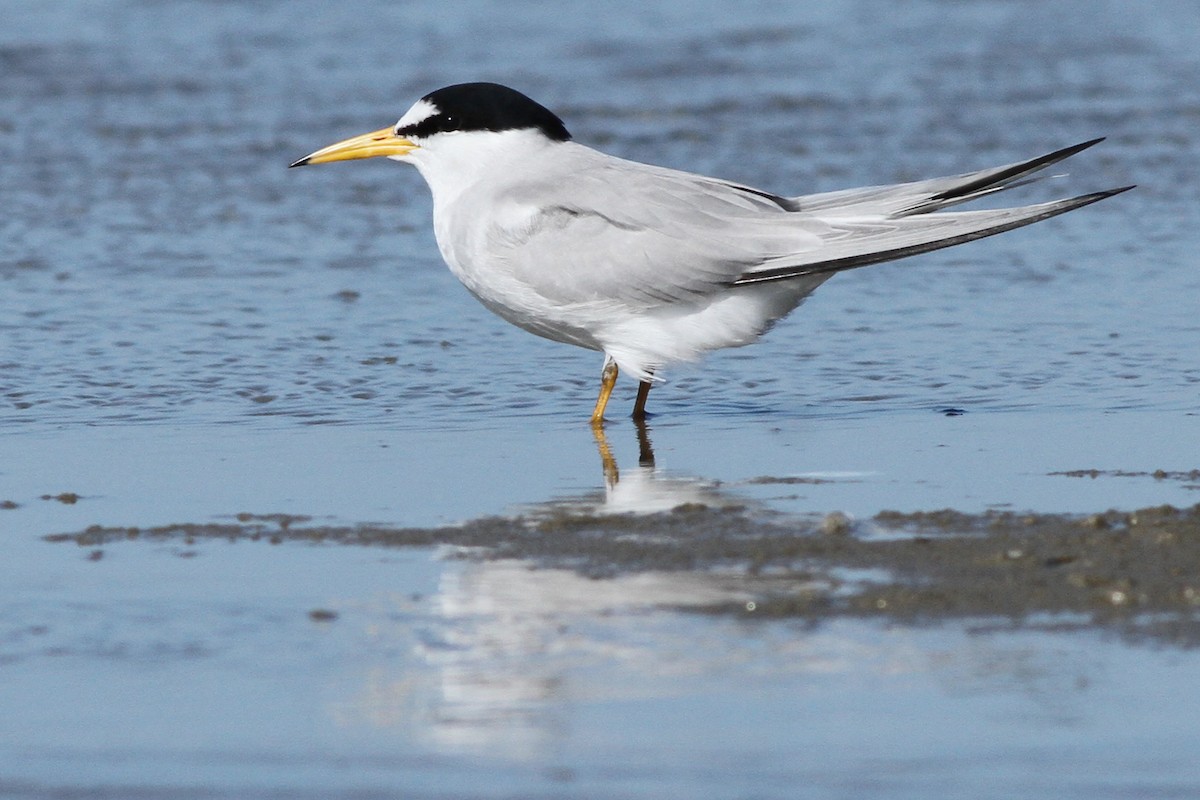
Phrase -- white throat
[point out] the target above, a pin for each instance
(453, 162)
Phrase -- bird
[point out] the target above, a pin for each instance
(648, 265)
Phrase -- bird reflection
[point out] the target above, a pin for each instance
(494, 664)
(612, 475)
(644, 490)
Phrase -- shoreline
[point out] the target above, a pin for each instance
(1112, 570)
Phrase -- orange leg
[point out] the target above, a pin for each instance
(608, 379)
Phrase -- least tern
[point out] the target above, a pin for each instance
(648, 265)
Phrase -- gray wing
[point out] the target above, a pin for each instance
(616, 231)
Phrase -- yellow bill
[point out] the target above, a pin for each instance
(383, 142)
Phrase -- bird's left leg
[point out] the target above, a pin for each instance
(608, 379)
(639, 405)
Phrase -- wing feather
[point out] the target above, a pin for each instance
(932, 194)
(636, 235)
(623, 233)
(861, 242)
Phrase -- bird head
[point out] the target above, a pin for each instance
(460, 109)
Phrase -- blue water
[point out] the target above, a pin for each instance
(188, 331)
(160, 264)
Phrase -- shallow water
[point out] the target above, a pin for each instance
(468, 680)
(189, 331)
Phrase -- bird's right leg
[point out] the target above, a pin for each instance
(608, 379)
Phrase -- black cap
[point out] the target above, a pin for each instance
(485, 107)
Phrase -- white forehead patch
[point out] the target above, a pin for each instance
(421, 110)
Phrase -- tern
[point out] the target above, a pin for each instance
(648, 265)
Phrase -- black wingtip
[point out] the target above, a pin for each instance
(299, 163)
(1015, 171)
(1054, 208)
(1104, 195)
(1073, 149)
(1066, 152)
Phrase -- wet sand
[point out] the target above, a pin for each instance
(1125, 571)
